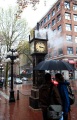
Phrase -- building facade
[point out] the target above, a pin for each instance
(63, 17)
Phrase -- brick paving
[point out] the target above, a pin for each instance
(20, 109)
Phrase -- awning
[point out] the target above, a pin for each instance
(71, 61)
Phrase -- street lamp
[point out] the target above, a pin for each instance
(1, 80)
(1, 69)
(12, 57)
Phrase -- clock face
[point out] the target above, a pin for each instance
(40, 47)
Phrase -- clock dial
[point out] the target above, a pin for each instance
(40, 47)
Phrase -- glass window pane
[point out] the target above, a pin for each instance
(75, 7)
(75, 28)
(68, 27)
(68, 37)
(69, 50)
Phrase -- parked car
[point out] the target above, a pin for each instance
(9, 79)
(18, 81)
(24, 79)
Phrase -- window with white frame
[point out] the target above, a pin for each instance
(49, 25)
(69, 50)
(75, 17)
(67, 16)
(58, 6)
(50, 54)
(60, 28)
(55, 53)
(53, 12)
(75, 7)
(68, 27)
(45, 20)
(75, 39)
(48, 16)
(53, 22)
(67, 5)
(75, 28)
(69, 38)
(45, 27)
(54, 30)
(59, 17)
(60, 51)
(41, 23)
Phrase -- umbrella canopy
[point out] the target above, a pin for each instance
(54, 65)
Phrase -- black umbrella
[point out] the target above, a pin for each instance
(54, 65)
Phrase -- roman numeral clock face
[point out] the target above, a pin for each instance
(40, 47)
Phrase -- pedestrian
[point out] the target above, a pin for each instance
(62, 87)
(44, 95)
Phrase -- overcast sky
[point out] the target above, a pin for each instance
(32, 16)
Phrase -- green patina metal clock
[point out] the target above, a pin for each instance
(38, 50)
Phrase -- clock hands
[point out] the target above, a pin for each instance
(41, 46)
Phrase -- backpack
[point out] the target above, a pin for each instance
(71, 95)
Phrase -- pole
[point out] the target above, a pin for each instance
(11, 98)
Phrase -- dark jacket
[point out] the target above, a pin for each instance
(62, 87)
(45, 93)
(55, 99)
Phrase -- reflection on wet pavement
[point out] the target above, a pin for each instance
(20, 109)
(4, 95)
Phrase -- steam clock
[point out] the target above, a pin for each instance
(38, 50)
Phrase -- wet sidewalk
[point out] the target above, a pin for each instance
(20, 109)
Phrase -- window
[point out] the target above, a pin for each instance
(75, 28)
(55, 53)
(67, 16)
(67, 5)
(75, 7)
(76, 50)
(69, 50)
(48, 16)
(68, 27)
(53, 22)
(54, 30)
(60, 51)
(50, 54)
(53, 12)
(58, 6)
(45, 20)
(45, 27)
(41, 23)
(59, 17)
(49, 25)
(60, 28)
(75, 17)
(68, 37)
(76, 39)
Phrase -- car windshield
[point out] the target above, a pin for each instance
(17, 78)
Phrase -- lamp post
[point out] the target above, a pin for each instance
(1, 80)
(12, 57)
(1, 69)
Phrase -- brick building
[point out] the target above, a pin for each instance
(63, 17)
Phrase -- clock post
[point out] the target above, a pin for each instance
(38, 50)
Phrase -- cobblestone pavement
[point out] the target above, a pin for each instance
(20, 109)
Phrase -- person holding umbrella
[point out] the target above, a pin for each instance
(45, 92)
(62, 87)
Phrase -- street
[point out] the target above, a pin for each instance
(20, 109)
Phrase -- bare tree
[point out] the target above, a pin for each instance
(12, 29)
(23, 48)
